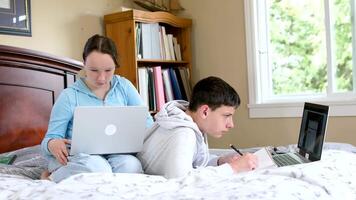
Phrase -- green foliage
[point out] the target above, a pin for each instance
(298, 50)
(343, 37)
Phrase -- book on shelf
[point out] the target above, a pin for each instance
(138, 40)
(165, 44)
(155, 45)
(175, 85)
(143, 84)
(161, 44)
(7, 160)
(150, 41)
(186, 83)
(167, 85)
(158, 84)
(180, 83)
(176, 47)
(179, 52)
(151, 90)
(170, 46)
(146, 41)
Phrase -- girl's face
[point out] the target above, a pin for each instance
(99, 69)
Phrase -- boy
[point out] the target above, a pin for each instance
(177, 142)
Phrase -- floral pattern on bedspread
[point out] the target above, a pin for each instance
(332, 178)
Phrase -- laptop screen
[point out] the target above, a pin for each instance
(312, 130)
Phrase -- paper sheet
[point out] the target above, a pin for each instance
(264, 159)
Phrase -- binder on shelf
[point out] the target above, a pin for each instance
(161, 44)
(151, 90)
(156, 50)
(167, 85)
(180, 83)
(158, 83)
(150, 37)
(146, 41)
(185, 79)
(143, 84)
(177, 49)
(138, 40)
(179, 52)
(170, 46)
(152, 42)
(175, 85)
(166, 45)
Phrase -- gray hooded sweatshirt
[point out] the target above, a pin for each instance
(174, 145)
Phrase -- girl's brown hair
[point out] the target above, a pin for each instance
(101, 44)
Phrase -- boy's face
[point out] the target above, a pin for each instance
(216, 123)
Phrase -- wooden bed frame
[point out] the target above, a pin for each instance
(30, 82)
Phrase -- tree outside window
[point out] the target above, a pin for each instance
(301, 51)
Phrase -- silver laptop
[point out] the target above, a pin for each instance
(311, 136)
(108, 129)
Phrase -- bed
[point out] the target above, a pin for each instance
(30, 82)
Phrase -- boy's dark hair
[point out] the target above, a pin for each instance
(213, 92)
(101, 44)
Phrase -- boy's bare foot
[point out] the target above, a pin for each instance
(45, 175)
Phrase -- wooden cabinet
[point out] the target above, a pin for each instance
(121, 27)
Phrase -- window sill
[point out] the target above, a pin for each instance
(280, 110)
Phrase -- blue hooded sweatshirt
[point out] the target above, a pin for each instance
(121, 93)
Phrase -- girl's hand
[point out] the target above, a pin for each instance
(59, 150)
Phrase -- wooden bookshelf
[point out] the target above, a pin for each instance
(120, 27)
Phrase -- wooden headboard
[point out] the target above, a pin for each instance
(30, 82)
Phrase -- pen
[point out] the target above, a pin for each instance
(239, 152)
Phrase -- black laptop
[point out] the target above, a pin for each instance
(311, 136)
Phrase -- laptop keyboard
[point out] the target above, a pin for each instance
(284, 160)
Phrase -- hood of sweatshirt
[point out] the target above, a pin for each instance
(172, 116)
(80, 86)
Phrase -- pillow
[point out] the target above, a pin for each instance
(29, 163)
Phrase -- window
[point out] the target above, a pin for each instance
(300, 51)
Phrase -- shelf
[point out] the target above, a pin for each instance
(163, 62)
(148, 17)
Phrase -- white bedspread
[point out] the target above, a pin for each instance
(334, 177)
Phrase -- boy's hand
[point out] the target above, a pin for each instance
(59, 150)
(247, 162)
(227, 158)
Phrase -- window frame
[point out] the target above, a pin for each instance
(341, 104)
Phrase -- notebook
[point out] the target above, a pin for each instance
(311, 137)
(108, 129)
